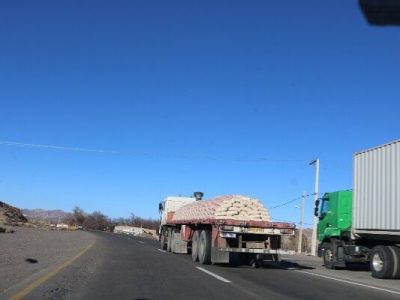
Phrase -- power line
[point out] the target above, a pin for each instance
(288, 202)
(288, 221)
(52, 147)
(149, 155)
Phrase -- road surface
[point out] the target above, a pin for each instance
(125, 267)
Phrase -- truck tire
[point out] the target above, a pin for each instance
(162, 241)
(328, 255)
(382, 262)
(204, 248)
(195, 246)
(169, 237)
(172, 242)
(396, 261)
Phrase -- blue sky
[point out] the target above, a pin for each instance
(218, 96)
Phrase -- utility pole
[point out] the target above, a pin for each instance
(316, 192)
(299, 244)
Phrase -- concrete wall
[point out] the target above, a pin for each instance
(128, 230)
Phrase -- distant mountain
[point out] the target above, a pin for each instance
(53, 216)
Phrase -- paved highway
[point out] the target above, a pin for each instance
(123, 267)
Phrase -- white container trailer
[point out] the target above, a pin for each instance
(376, 207)
(376, 204)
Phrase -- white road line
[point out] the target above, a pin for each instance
(141, 242)
(162, 250)
(213, 275)
(351, 282)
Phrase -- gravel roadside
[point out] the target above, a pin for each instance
(28, 251)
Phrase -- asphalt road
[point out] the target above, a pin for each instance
(123, 267)
(28, 253)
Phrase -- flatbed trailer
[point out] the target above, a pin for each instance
(213, 240)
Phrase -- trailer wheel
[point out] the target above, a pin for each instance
(204, 249)
(169, 237)
(195, 246)
(328, 255)
(382, 262)
(396, 261)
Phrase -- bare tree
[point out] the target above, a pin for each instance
(78, 216)
(98, 221)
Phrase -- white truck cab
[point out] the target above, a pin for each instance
(171, 204)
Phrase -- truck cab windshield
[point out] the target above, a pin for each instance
(324, 208)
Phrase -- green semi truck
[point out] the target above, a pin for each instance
(362, 226)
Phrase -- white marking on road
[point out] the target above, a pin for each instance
(162, 250)
(213, 275)
(351, 282)
(141, 242)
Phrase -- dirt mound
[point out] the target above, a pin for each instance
(10, 216)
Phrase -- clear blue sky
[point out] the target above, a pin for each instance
(217, 96)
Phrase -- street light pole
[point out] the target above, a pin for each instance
(315, 218)
(299, 243)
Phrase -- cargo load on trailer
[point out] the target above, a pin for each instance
(230, 228)
(233, 207)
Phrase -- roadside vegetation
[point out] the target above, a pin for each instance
(99, 221)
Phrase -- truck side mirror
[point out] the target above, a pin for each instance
(316, 207)
(160, 207)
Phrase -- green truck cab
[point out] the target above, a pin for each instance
(336, 246)
(335, 215)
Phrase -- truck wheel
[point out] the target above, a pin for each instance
(396, 261)
(169, 237)
(195, 246)
(328, 255)
(162, 241)
(205, 247)
(382, 262)
(172, 242)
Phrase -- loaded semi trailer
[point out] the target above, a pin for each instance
(363, 226)
(227, 229)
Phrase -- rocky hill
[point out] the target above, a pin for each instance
(10, 216)
(41, 215)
